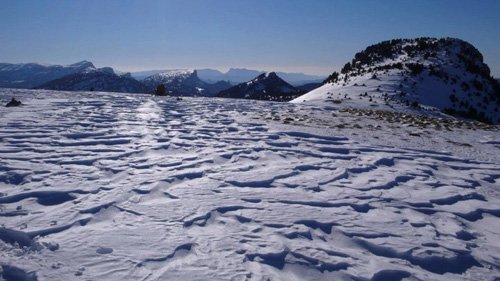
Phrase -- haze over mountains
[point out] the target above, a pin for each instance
(237, 75)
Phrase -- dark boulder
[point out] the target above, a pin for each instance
(13, 102)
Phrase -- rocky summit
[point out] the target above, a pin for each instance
(425, 75)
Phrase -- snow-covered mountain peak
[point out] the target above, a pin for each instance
(266, 76)
(445, 74)
(169, 76)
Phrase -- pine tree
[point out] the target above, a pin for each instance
(160, 90)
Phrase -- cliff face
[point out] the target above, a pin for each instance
(184, 83)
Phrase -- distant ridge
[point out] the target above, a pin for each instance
(236, 75)
(29, 75)
(96, 79)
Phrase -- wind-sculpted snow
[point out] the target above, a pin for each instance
(130, 187)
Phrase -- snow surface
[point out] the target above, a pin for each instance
(352, 93)
(130, 187)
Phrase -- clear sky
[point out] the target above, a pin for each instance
(311, 36)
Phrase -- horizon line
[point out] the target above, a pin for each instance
(308, 70)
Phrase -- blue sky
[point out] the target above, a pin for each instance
(311, 36)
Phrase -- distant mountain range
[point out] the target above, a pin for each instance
(424, 75)
(96, 79)
(29, 75)
(237, 75)
(84, 76)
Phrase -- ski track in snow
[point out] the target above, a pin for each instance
(128, 187)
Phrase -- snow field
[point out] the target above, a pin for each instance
(130, 187)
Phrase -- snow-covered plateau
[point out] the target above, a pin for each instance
(104, 186)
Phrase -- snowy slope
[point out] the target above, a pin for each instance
(266, 86)
(446, 75)
(130, 187)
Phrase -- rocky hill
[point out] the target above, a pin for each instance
(266, 86)
(426, 75)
